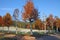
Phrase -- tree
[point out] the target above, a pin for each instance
(50, 21)
(38, 24)
(7, 20)
(30, 13)
(28, 25)
(1, 22)
(16, 15)
(57, 22)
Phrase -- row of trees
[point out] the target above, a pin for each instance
(30, 14)
(37, 24)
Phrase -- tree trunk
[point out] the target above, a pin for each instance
(8, 29)
(16, 29)
(52, 25)
(31, 29)
(30, 26)
(49, 29)
(52, 28)
(45, 27)
(57, 29)
(2, 29)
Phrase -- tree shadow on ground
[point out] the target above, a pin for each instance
(8, 39)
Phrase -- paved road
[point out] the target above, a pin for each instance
(50, 37)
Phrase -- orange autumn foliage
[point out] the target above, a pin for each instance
(38, 24)
(7, 19)
(28, 8)
(28, 26)
(1, 21)
(29, 12)
(57, 22)
(50, 20)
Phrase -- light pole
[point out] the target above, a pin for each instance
(15, 15)
(44, 21)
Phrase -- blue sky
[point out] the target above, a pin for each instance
(44, 6)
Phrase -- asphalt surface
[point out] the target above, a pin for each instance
(49, 37)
